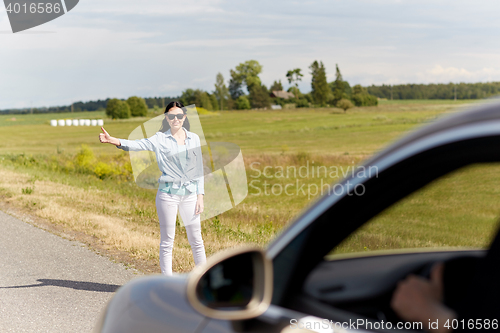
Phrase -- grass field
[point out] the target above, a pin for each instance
(427, 101)
(45, 170)
(360, 131)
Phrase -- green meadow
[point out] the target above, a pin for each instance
(38, 161)
(360, 131)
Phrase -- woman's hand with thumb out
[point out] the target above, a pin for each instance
(104, 137)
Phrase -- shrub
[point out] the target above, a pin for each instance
(242, 103)
(117, 109)
(302, 103)
(138, 107)
(205, 101)
(364, 99)
(203, 111)
(84, 157)
(103, 170)
(259, 96)
(344, 104)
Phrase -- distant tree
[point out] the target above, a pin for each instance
(320, 90)
(294, 75)
(436, 91)
(358, 89)
(188, 97)
(117, 109)
(302, 103)
(259, 96)
(249, 72)
(277, 86)
(214, 101)
(204, 101)
(138, 107)
(361, 97)
(231, 104)
(235, 85)
(347, 90)
(242, 103)
(344, 104)
(309, 97)
(295, 91)
(221, 92)
(339, 91)
(160, 102)
(197, 97)
(123, 111)
(246, 73)
(151, 102)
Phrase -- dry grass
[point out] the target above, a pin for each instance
(123, 223)
(103, 215)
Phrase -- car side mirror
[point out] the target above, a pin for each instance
(233, 285)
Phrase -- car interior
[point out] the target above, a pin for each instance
(451, 219)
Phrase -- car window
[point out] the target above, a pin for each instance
(460, 209)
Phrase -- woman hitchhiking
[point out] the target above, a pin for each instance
(181, 185)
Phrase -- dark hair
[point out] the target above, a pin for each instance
(165, 126)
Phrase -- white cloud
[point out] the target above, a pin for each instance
(440, 74)
(72, 38)
(166, 8)
(120, 48)
(229, 42)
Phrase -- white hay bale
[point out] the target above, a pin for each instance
(53, 122)
(100, 122)
(61, 122)
(81, 122)
(68, 122)
(87, 122)
(93, 122)
(75, 122)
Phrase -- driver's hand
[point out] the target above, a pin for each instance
(418, 299)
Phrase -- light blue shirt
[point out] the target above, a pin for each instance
(183, 162)
(165, 146)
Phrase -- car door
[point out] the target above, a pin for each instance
(467, 144)
(308, 286)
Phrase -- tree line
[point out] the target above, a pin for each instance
(99, 105)
(436, 91)
(245, 90)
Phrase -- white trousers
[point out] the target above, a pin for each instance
(166, 207)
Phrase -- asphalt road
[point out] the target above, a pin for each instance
(50, 284)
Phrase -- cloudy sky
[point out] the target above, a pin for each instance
(120, 48)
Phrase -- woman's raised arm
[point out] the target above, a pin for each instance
(129, 145)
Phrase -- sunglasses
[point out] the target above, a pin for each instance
(172, 116)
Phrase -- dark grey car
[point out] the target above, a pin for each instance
(294, 284)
